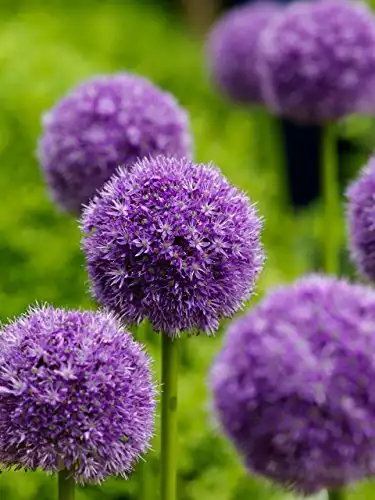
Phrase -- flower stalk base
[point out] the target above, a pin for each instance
(169, 418)
(66, 486)
(336, 495)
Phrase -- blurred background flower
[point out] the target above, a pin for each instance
(234, 58)
(292, 386)
(106, 122)
(318, 61)
(233, 51)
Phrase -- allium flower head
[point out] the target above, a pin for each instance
(361, 220)
(293, 386)
(233, 50)
(318, 60)
(105, 122)
(173, 242)
(76, 393)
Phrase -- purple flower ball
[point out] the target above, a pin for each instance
(293, 386)
(174, 243)
(361, 220)
(233, 50)
(76, 393)
(105, 122)
(318, 61)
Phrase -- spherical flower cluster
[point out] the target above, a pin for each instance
(361, 220)
(106, 122)
(76, 393)
(174, 243)
(233, 50)
(318, 60)
(293, 386)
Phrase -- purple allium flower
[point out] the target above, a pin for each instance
(105, 122)
(233, 50)
(293, 386)
(361, 220)
(174, 243)
(318, 60)
(76, 393)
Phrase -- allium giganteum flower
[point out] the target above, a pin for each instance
(76, 393)
(293, 385)
(318, 60)
(361, 220)
(173, 242)
(233, 50)
(105, 122)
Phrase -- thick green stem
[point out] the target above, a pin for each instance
(169, 350)
(66, 486)
(336, 495)
(145, 485)
(145, 474)
(331, 200)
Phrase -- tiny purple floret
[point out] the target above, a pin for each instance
(174, 243)
(76, 393)
(293, 386)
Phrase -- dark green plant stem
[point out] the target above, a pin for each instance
(66, 486)
(145, 484)
(331, 200)
(169, 348)
(336, 495)
(145, 474)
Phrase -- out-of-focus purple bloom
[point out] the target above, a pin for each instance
(174, 243)
(361, 220)
(233, 50)
(293, 386)
(318, 60)
(105, 122)
(76, 393)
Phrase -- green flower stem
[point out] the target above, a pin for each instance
(66, 486)
(336, 495)
(331, 200)
(145, 474)
(169, 348)
(145, 481)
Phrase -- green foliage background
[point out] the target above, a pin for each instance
(45, 49)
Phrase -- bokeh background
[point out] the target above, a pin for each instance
(46, 47)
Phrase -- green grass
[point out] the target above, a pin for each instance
(44, 51)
